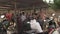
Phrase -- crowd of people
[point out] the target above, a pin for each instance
(38, 22)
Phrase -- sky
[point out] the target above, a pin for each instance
(48, 1)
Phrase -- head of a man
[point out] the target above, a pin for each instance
(35, 16)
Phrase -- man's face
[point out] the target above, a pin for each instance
(34, 16)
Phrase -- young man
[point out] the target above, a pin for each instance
(35, 25)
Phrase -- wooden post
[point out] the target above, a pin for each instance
(15, 6)
(15, 15)
(34, 9)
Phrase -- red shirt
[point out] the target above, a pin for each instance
(9, 16)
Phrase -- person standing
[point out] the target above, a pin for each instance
(23, 16)
(19, 25)
(35, 25)
(8, 16)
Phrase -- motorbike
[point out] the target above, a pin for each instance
(3, 25)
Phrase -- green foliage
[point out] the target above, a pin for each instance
(56, 4)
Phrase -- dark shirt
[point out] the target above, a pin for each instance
(41, 22)
(52, 23)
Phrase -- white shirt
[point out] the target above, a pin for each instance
(23, 17)
(55, 32)
(36, 26)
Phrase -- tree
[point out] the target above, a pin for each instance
(56, 4)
